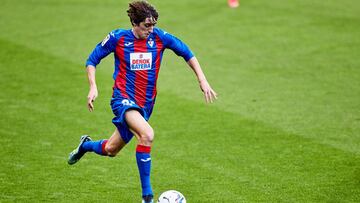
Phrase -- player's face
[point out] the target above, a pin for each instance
(145, 28)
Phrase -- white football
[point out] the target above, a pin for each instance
(171, 196)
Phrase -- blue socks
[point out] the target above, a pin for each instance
(143, 160)
(95, 146)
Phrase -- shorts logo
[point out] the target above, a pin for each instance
(140, 61)
(127, 102)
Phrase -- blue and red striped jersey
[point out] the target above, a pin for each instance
(137, 61)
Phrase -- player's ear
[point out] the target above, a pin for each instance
(134, 24)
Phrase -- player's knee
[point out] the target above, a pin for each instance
(147, 137)
(111, 150)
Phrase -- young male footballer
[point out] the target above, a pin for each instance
(138, 53)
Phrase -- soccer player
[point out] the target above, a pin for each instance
(138, 53)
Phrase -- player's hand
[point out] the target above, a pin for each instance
(209, 94)
(93, 94)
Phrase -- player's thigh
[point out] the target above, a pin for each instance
(138, 125)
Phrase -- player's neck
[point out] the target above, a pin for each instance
(134, 33)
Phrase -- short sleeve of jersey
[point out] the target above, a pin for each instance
(175, 44)
(102, 49)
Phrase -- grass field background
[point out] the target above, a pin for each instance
(286, 126)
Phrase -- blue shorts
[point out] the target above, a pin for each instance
(119, 106)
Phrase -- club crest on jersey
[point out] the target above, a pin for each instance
(151, 42)
(140, 61)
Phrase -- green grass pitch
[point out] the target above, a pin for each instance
(286, 126)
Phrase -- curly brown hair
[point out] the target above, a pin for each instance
(140, 10)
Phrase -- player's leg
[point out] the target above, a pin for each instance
(145, 135)
(105, 147)
(142, 129)
(109, 147)
(114, 144)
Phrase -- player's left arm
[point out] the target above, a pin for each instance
(209, 94)
(181, 49)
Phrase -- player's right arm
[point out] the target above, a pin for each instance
(93, 92)
(101, 51)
